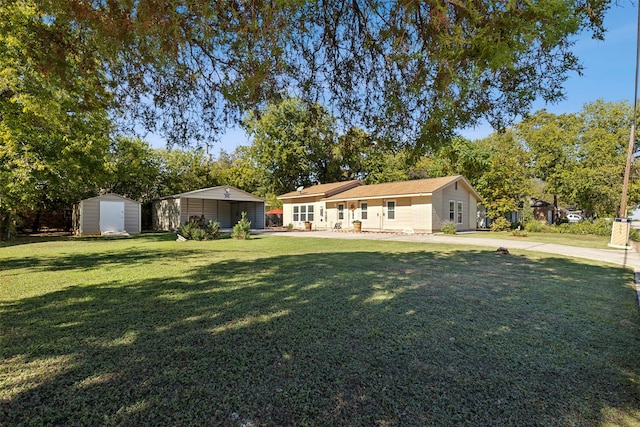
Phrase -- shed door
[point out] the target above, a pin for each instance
(111, 216)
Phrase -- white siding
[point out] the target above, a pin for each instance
(461, 194)
(319, 221)
(421, 219)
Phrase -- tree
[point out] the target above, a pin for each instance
(292, 145)
(462, 157)
(134, 169)
(411, 72)
(181, 171)
(596, 179)
(54, 127)
(506, 182)
(552, 140)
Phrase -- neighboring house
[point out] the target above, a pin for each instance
(307, 204)
(417, 206)
(224, 204)
(106, 214)
(542, 211)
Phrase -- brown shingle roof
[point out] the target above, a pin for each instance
(322, 190)
(403, 188)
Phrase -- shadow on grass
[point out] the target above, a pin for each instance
(362, 338)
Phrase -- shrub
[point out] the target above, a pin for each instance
(534, 226)
(241, 230)
(601, 227)
(198, 234)
(212, 230)
(500, 224)
(634, 235)
(289, 226)
(449, 227)
(188, 229)
(192, 231)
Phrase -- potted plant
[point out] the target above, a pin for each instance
(357, 225)
(307, 225)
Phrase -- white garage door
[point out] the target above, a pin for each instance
(111, 216)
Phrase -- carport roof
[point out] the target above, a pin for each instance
(221, 192)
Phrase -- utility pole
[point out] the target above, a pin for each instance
(621, 226)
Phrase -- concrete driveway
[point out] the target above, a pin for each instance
(626, 258)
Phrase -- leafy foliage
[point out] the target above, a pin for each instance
(191, 230)
(500, 224)
(449, 227)
(506, 182)
(409, 71)
(54, 126)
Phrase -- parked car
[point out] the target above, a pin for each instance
(574, 217)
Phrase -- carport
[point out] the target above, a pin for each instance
(223, 203)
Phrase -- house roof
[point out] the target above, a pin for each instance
(326, 190)
(418, 187)
(220, 192)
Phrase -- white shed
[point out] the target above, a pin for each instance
(223, 203)
(107, 214)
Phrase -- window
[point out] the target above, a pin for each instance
(459, 219)
(303, 213)
(363, 211)
(391, 210)
(340, 211)
(452, 210)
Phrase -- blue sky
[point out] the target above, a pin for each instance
(609, 67)
(609, 73)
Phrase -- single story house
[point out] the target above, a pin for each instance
(223, 203)
(307, 204)
(421, 205)
(106, 214)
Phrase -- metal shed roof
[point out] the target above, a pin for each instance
(222, 192)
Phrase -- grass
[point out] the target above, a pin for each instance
(580, 240)
(282, 331)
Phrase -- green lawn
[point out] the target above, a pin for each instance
(586, 240)
(283, 331)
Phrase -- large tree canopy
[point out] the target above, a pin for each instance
(411, 71)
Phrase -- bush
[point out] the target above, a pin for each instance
(212, 230)
(188, 229)
(500, 224)
(535, 226)
(449, 227)
(634, 235)
(601, 227)
(192, 231)
(241, 230)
